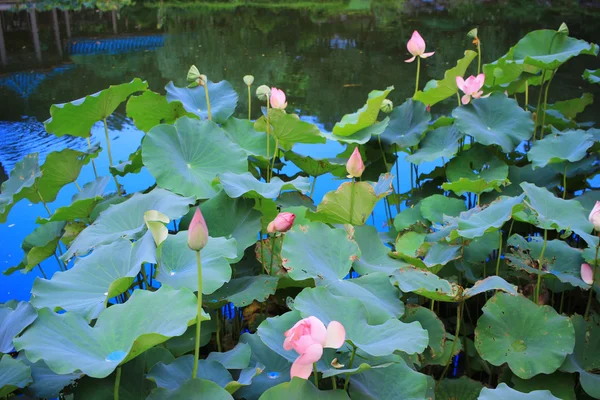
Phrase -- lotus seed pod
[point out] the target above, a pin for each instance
(263, 92)
(387, 106)
(193, 74)
(248, 80)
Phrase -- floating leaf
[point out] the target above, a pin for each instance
(38, 246)
(22, 177)
(289, 129)
(301, 389)
(408, 123)
(364, 117)
(503, 392)
(187, 156)
(584, 358)
(440, 142)
(192, 389)
(243, 291)
(14, 374)
(151, 109)
(12, 321)
(462, 388)
(568, 146)
(436, 207)
(245, 184)
(592, 76)
(223, 100)
(532, 339)
(374, 254)
(242, 133)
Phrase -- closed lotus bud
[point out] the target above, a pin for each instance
(282, 223)
(595, 216)
(355, 165)
(278, 99)
(248, 80)
(587, 274)
(263, 92)
(387, 106)
(197, 232)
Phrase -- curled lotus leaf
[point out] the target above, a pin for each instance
(364, 117)
(12, 322)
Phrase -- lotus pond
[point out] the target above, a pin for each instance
(255, 235)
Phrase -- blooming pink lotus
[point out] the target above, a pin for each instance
(355, 165)
(308, 337)
(416, 47)
(282, 222)
(587, 275)
(197, 232)
(471, 87)
(595, 216)
(278, 99)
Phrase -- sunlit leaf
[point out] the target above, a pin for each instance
(568, 146)
(435, 207)
(223, 100)
(408, 123)
(12, 321)
(242, 133)
(150, 109)
(245, 184)
(364, 117)
(289, 129)
(592, 76)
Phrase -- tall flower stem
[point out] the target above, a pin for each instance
(540, 264)
(274, 156)
(42, 271)
(249, 103)
(418, 73)
(456, 338)
(539, 104)
(117, 383)
(591, 295)
(350, 364)
(526, 94)
(89, 143)
(208, 101)
(273, 239)
(478, 56)
(44, 203)
(312, 188)
(218, 316)
(198, 318)
(546, 103)
(268, 137)
(352, 184)
(110, 159)
(316, 375)
(499, 254)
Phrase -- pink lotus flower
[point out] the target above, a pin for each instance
(355, 165)
(587, 275)
(416, 47)
(278, 99)
(471, 87)
(282, 223)
(308, 337)
(197, 232)
(595, 216)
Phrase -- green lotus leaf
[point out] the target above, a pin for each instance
(425, 255)
(192, 389)
(560, 260)
(497, 119)
(543, 177)
(450, 350)
(178, 267)
(126, 219)
(503, 74)
(77, 117)
(301, 389)
(67, 343)
(352, 371)
(22, 177)
(271, 333)
(462, 388)
(133, 165)
(317, 166)
(242, 133)
(476, 252)
(243, 291)
(475, 171)
(531, 339)
(150, 109)
(362, 136)
(12, 321)
(592, 76)
(571, 108)
(245, 184)
(187, 156)
(490, 283)
(223, 100)
(46, 384)
(173, 375)
(408, 123)
(568, 146)
(374, 254)
(436, 91)
(376, 340)
(559, 214)
(85, 289)
(236, 358)
(364, 117)
(320, 263)
(427, 284)
(549, 49)
(289, 129)
(409, 244)
(409, 217)
(184, 344)
(584, 358)
(559, 384)
(503, 392)
(440, 142)
(105, 204)
(435, 207)
(432, 324)
(14, 374)
(406, 383)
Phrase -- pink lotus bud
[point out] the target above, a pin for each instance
(282, 222)
(355, 165)
(278, 99)
(416, 47)
(470, 87)
(308, 338)
(595, 216)
(197, 232)
(587, 275)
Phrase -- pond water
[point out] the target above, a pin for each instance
(326, 55)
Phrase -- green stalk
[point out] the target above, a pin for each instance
(312, 189)
(540, 264)
(93, 163)
(458, 98)
(117, 383)
(456, 337)
(197, 345)
(526, 95)
(42, 271)
(478, 56)
(591, 295)
(565, 182)
(110, 159)
(249, 103)
(60, 264)
(44, 203)
(397, 179)
(273, 239)
(268, 137)
(219, 316)
(562, 301)
(539, 103)
(350, 367)
(432, 305)
(418, 72)
(334, 383)
(499, 254)
(274, 156)
(352, 199)
(316, 376)
(207, 101)
(546, 103)
(77, 186)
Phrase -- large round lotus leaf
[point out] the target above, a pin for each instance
(374, 254)
(243, 291)
(330, 257)
(192, 389)
(377, 340)
(302, 389)
(46, 384)
(559, 214)
(187, 156)
(12, 321)
(435, 207)
(77, 117)
(242, 133)
(559, 384)
(151, 109)
(22, 177)
(223, 99)
(592, 76)
(532, 339)
(398, 381)
(549, 49)
(495, 120)
(568, 146)
(585, 359)
(441, 142)
(174, 374)
(67, 343)
(236, 358)
(455, 389)
(178, 265)
(317, 166)
(245, 184)
(127, 219)
(14, 374)
(364, 117)
(185, 343)
(38, 246)
(432, 324)
(427, 284)
(504, 392)
(408, 123)
(86, 288)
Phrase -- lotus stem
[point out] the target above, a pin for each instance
(249, 103)
(397, 179)
(44, 203)
(207, 101)
(60, 264)
(42, 271)
(110, 160)
(458, 98)
(117, 383)
(273, 239)
(350, 364)
(526, 95)
(499, 254)
(312, 188)
(539, 103)
(562, 301)
(478, 56)
(334, 383)
(546, 103)
(197, 344)
(456, 337)
(418, 73)
(93, 163)
(268, 137)
(316, 375)
(565, 182)
(540, 264)
(274, 157)
(432, 304)
(219, 315)
(77, 186)
(591, 295)
(352, 184)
